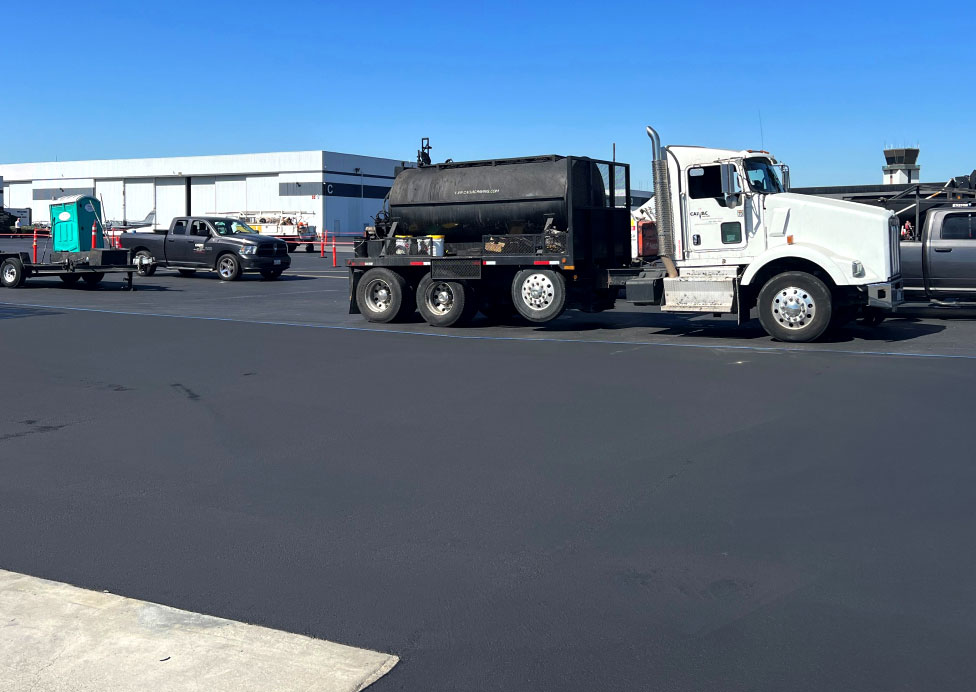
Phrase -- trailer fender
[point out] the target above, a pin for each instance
(804, 253)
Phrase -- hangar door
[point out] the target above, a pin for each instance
(170, 199)
(109, 193)
(231, 194)
(140, 199)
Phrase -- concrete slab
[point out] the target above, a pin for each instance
(61, 638)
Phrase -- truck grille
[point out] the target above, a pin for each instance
(272, 250)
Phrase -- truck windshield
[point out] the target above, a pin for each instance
(229, 227)
(762, 176)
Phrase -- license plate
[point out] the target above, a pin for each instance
(277, 261)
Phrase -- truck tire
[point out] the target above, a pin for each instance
(539, 295)
(92, 278)
(187, 272)
(228, 268)
(310, 247)
(795, 306)
(12, 273)
(383, 295)
(445, 303)
(70, 279)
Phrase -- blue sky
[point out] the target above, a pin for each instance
(834, 82)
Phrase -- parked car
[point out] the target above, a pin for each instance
(939, 264)
(193, 243)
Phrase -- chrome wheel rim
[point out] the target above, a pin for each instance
(793, 307)
(379, 295)
(226, 269)
(9, 274)
(538, 291)
(440, 298)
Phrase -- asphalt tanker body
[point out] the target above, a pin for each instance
(534, 235)
(464, 201)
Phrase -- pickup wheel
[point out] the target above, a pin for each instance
(93, 278)
(228, 268)
(383, 296)
(795, 306)
(445, 303)
(271, 274)
(70, 279)
(539, 295)
(187, 272)
(12, 274)
(872, 317)
(309, 247)
(144, 268)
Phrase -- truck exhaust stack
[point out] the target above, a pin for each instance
(662, 202)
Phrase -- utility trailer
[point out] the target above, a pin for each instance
(541, 234)
(77, 253)
(89, 266)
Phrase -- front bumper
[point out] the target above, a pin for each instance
(256, 264)
(887, 294)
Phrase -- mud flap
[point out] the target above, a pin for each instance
(354, 277)
(742, 309)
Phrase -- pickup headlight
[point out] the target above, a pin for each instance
(248, 249)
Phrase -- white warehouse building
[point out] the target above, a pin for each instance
(337, 192)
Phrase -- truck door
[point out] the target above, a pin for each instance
(712, 225)
(180, 242)
(176, 241)
(199, 249)
(952, 255)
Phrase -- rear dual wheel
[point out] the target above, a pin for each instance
(539, 295)
(383, 296)
(445, 303)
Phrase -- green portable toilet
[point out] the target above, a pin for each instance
(71, 223)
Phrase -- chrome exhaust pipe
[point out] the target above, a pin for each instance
(662, 202)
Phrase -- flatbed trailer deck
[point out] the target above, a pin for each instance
(89, 266)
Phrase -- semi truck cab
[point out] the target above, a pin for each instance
(728, 226)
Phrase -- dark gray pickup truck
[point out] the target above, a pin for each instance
(939, 264)
(192, 243)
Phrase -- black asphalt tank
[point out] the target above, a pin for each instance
(463, 201)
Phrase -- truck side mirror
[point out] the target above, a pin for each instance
(785, 170)
(730, 187)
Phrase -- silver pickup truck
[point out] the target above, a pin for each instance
(939, 264)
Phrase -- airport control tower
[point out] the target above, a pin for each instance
(901, 168)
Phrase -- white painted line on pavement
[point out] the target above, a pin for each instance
(55, 636)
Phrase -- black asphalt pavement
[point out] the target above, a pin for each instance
(618, 501)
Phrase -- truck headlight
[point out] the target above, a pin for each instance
(857, 269)
(248, 249)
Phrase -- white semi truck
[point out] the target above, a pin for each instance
(541, 234)
(732, 238)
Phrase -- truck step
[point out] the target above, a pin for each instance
(699, 294)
